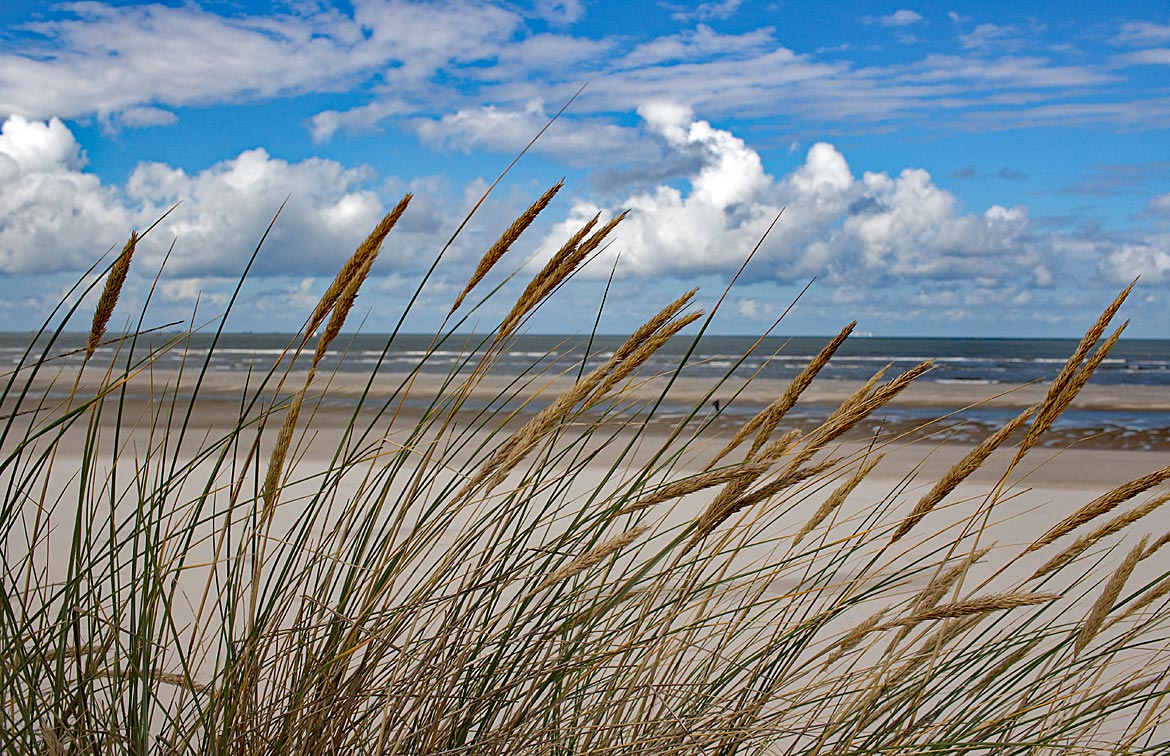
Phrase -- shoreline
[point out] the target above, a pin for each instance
(923, 393)
(1132, 418)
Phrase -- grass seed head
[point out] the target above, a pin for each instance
(351, 275)
(506, 240)
(109, 297)
(1102, 505)
(1104, 603)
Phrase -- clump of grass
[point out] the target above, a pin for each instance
(579, 576)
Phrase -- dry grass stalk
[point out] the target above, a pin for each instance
(559, 266)
(852, 638)
(592, 557)
(1160, 590)
(866, 706)
(1162, 541)
(780, 447)
(739, 479)
(181, 681)
(790, 477)
(53, 746)
(110, 293)
(496, 468)
(1073, 375)
(1100, 506)
(271, 489)
(864, 402)
(1003, 666)
(700, 482)
(1108, 597)
(651, 326)
(938, 587)
(959, 472)
(1125, 692)
(593, 242)
(765, 421)
(506, 240)
(852, 411)
(837, 498)
(361, 259)
(1115, 525)
(982, 605)
(1060, 403)
(733, 499)
(644, 351)
(772, 415)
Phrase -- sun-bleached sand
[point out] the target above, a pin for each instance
(1045, 487)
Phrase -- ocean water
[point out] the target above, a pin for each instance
(1136, 362)
(975, 362)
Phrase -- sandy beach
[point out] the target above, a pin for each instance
(1074, 466)
(1007, 505)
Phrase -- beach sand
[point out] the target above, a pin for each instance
(1051, 482)
(1048, 485)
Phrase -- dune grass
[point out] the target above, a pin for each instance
(573, 577)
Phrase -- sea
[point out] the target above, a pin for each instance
(982, 362)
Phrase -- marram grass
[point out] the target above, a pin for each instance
(451, 577)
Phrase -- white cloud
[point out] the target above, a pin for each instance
(691, 46)
(1149, 259)
(898, 18)
(1159, 205)
(146, 116)
(581, 143)
(421, 60)
(560, 11)
(1158, 56)
(749, 308)
(54, 216)
(986, 36)
(1002, 73)
(876, 229)
(155, 54)
(223, 209)
(704, 11)
(1142, 33)
(40, 147)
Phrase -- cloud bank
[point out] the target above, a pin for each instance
(900, 238)
(56, 217)
(848, 230)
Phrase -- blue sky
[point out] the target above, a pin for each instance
(976, 169)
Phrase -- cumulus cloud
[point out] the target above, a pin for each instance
(40, 147)
(874, 229)
(749, 308)
(222, 210)
(1148, 258)
(55, 216)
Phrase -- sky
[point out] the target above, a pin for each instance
(958, 170)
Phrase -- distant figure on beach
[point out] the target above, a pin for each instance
(716, 405)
